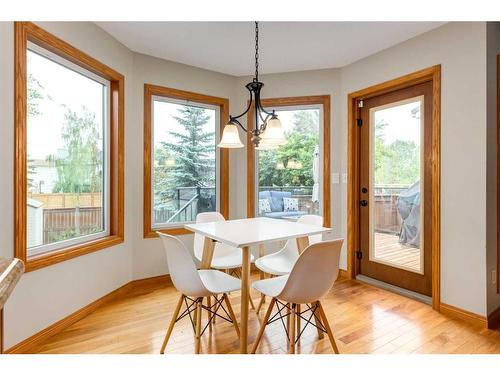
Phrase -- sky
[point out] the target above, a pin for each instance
(400, 123)
(163, 121)
(61, 86)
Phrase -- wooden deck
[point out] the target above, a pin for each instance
(388, 248)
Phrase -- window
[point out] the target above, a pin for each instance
(290, 181)
(183, 174)
(69, 140)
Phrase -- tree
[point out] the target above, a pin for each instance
(35, 94)
(301, 141)
(396, 163)
(193, 153)
(79, 168)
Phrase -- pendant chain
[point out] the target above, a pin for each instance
(256, 51)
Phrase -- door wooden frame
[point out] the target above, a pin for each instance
(431, 74)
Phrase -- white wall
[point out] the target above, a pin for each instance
(50, 294)
(47, 295)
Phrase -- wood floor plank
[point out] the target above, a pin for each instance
(364, 319)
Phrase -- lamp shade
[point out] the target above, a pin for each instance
(230, 137)
(273, 134)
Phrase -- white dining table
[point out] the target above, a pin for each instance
(243, 234)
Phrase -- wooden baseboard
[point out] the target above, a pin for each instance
(465, 315)
(494, 319)
(134, 287)
(342, 274)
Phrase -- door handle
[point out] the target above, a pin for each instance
(363, 203)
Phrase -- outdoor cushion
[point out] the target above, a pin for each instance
(264, 206)
(290, 204)
(266, 194)
(277, 200)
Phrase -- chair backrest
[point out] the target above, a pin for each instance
(220, 249)
(204, 217)
(181, 267)
(314, 273)
(291, 245)
(312, 220)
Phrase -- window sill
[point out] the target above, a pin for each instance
(179, 231)
(45, 260)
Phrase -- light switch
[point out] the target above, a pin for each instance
(344, 178)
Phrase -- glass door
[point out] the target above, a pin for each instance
(395, 246)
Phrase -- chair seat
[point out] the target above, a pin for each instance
(219, 282)
(271, 287)
(229, 260)
(277, 264)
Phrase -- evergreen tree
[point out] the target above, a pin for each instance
(193, 152)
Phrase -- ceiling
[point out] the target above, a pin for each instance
(228, 47)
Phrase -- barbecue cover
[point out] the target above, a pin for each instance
(408, 206)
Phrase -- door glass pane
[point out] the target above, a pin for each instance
(396, 184)
(289, 177)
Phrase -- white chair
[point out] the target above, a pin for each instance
(194, 285)
(225, 257)
(311, 278)
(281, 262)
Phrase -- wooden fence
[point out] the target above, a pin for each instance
(64, 223)
(68, 200)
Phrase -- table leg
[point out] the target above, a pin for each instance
(262, 252)
(302, 243)
(208, 253)
(245, 290)
(206, 261)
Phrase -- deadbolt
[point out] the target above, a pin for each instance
(364, 190)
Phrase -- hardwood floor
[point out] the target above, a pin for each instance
(364, 319)
(389, 249)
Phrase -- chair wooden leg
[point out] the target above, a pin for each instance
(327, 326)
(298, 319)
(197, 339)
(261, 303)
(263, 324)
(288, 317)
(209, 311)
(213, 315)
(317, 322)
(293, 324)
(251, 301)
(231, 314)
(172, 323)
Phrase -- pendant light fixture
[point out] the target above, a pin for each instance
(267, 132)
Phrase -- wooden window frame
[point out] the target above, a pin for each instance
(294, 101)
(223, 103)
(27, 31)
(432, 74)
